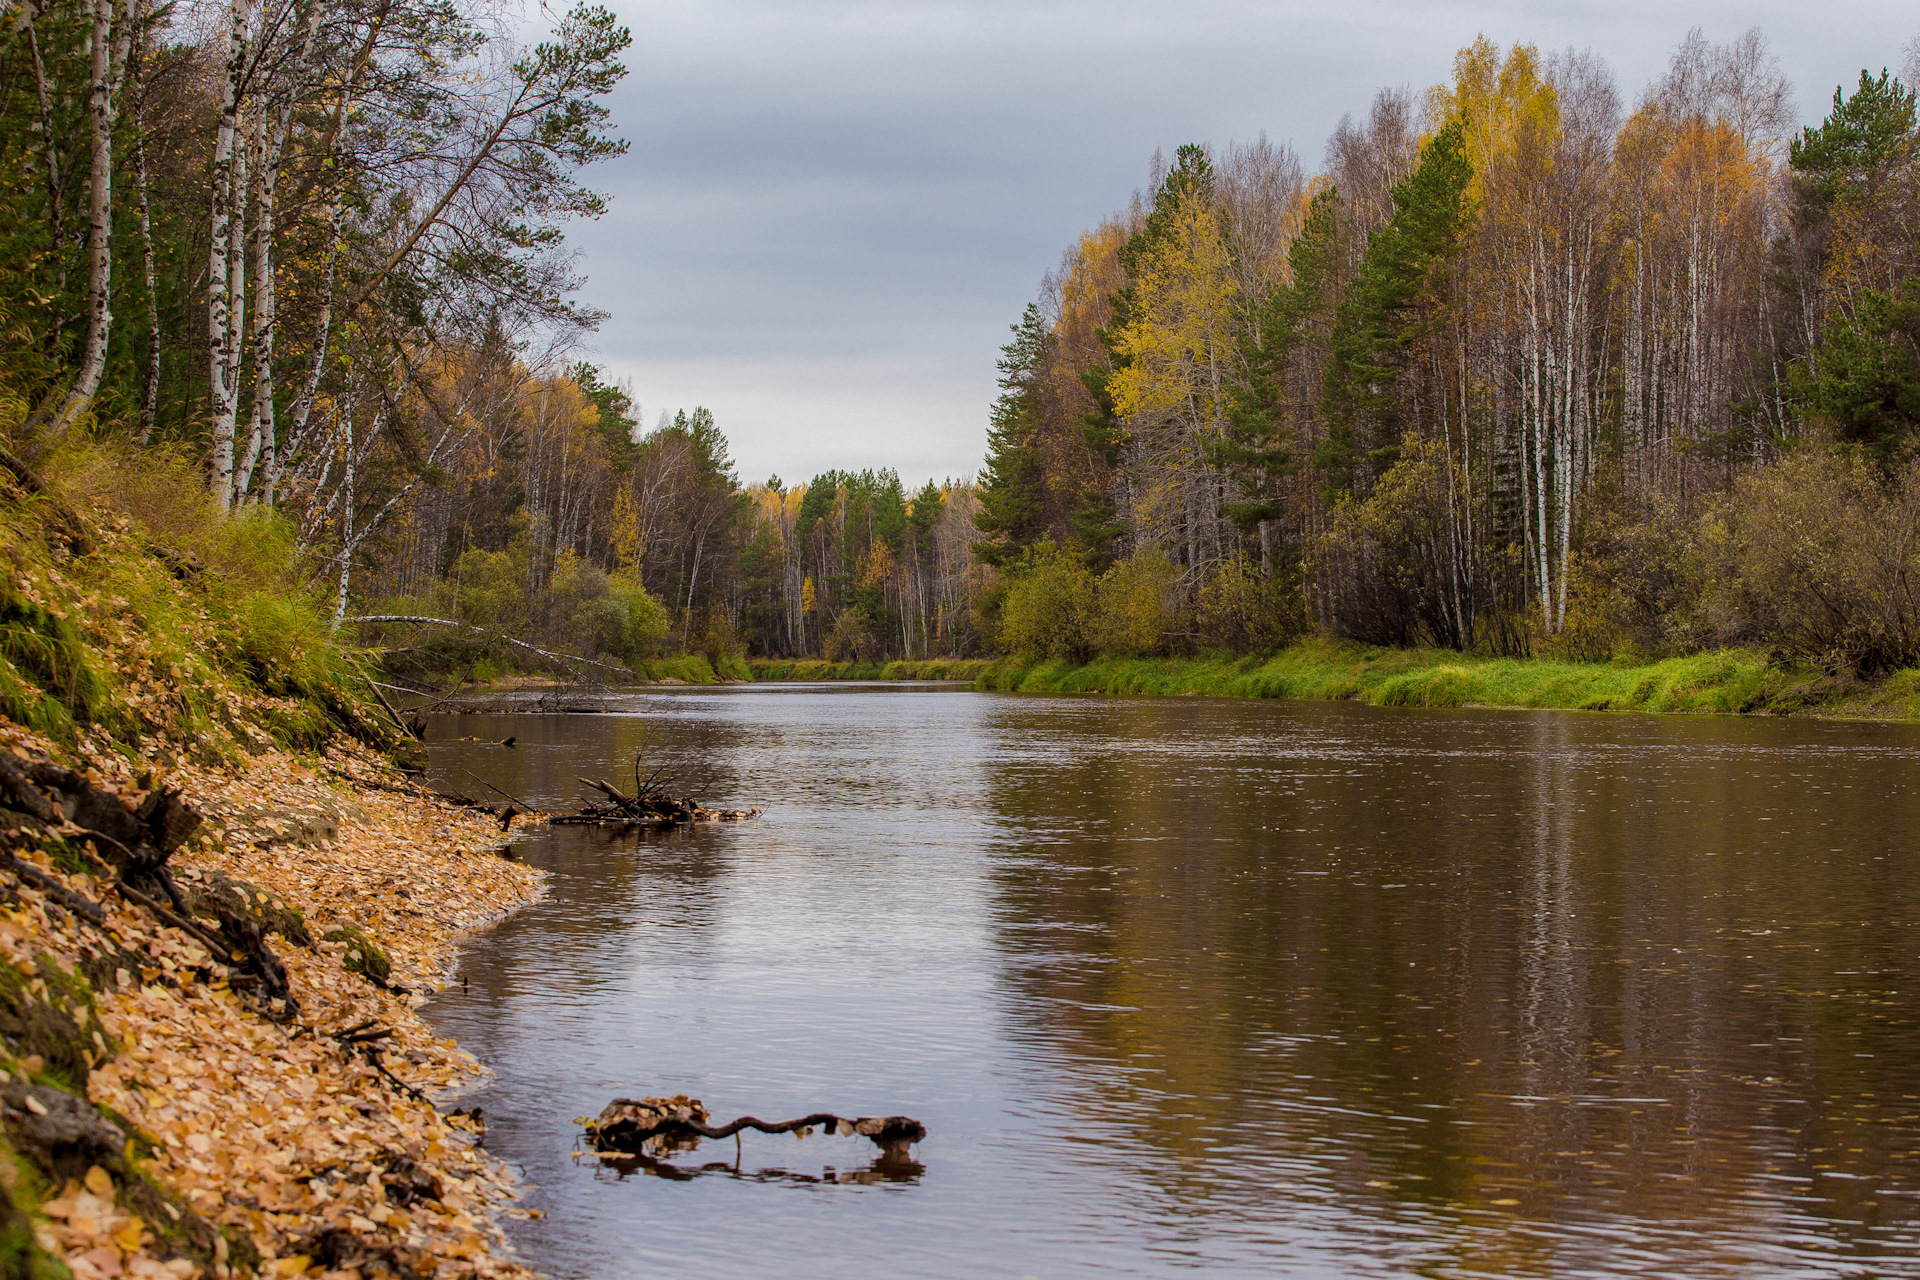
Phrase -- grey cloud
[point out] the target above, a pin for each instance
(832, 211)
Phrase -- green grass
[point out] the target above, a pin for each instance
(149, 615)
(821, 669)
(1731, 681)
(692, 668)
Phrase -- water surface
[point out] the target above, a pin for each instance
(1251, 988)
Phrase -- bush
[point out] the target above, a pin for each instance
(490, 590)
(1136, 603)
(1820, 559)
(644, 622)
(1392, 569)
(1048, 608)
(1239, 610)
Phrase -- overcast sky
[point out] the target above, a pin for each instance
(832, 210)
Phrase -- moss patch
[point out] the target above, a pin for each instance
(362, 956)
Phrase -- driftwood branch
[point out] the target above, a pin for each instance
(566, 660)
(629, 1125)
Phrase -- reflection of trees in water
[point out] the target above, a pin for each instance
(606, 883)
(1451, 959)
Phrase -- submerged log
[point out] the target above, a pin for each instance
(643, 1126)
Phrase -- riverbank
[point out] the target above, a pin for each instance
(280, 1133)
(1725, 682)
(220, 907)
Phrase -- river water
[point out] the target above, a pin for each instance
(1247, 988)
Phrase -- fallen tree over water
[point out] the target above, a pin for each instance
(565, 661)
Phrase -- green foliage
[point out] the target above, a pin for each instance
(1721, 681)
(1389, 566)
(645, 625)
(1841, 159)
(1136, 603)
(177, 619)
(616, 424)
(1390, 306)
(1864, 376)
(1049, 604)
(48, 679)
(490, 589)
(1011, 488)
(1261, 446)
(805, 669)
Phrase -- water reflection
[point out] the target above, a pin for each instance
(887, 1168)
(1256, 988)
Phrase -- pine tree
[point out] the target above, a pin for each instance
(1840, 160)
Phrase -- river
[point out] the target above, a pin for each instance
(1246, 988)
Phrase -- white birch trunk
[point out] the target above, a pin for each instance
(102, 112)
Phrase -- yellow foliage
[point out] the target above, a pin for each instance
(1181, 338)
(1503, 103)
(628, 543)
(876, 567)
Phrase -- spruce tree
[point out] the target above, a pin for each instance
(1261, 443)
(1012, 484)
(1388, 309)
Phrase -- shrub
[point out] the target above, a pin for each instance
(1239, 610)
(1049, 604)
(1135, 604)
(644, 624)
(1821, 556)
(490, 590)
(1392, 569)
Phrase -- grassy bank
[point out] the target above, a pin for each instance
(821, 669)
(1727, 682)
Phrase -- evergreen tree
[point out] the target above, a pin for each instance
(1864, 376)
(1011, 483)
(616, 409)
(1262, 441)
(1861, 136)
(1390, 306)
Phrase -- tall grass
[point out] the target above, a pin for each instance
(132, 610)
(1728, 681)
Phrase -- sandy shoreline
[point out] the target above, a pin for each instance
(308, 1155)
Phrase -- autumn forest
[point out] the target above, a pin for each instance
(1530, 363)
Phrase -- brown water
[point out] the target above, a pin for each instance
(1249, 988)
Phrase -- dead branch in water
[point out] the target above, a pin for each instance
(632, 1125)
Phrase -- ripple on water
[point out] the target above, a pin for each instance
(1254, 988)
